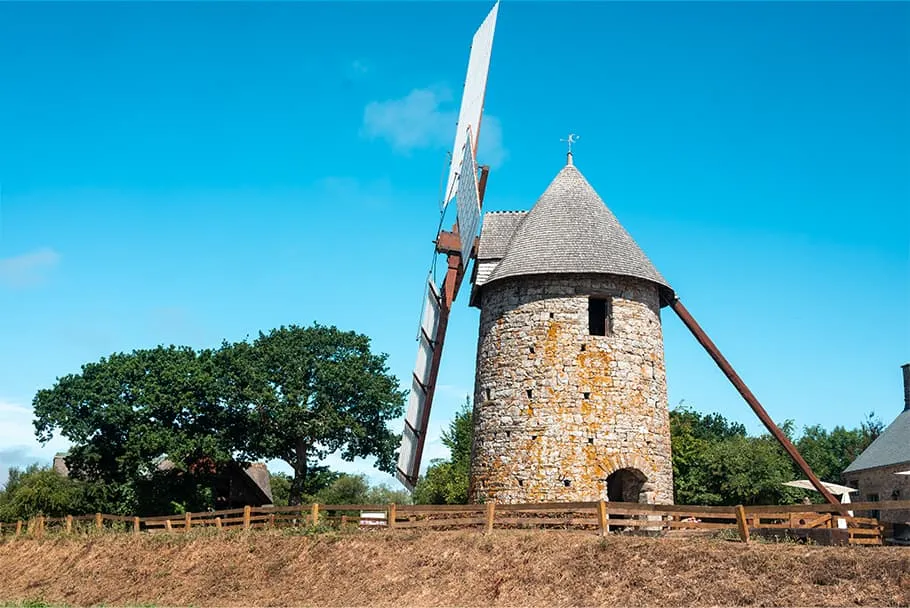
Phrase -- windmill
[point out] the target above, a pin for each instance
(516, 254)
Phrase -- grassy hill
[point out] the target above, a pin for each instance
(535, 568)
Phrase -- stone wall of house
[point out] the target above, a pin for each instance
(557, 410)
(884, 485)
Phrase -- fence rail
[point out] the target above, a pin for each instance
(602, 517)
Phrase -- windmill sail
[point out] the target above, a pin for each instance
(462, 184)
(415, 421)
(475, 86)
(467, 202)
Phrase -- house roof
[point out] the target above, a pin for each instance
(496, 232)
(568, 231)
(891, 447)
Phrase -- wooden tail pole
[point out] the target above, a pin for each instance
(392, 515)
(734, 378)
(136, 525)
(99, 521)
(246, 517)
(602, 517)
(69, 524)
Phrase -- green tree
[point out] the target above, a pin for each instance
(310, 391)
(128, 412)
(830, 452)
(447, 481)
(749, 471)
(692, 435)
(348, 489)
(40, 491)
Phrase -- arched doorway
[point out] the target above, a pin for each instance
(624, 485)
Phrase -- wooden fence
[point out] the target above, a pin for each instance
(600, 517)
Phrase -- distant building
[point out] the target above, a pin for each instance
(877, 471)
(236, 486)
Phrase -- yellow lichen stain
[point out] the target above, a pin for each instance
(586, 407)
(550, 346)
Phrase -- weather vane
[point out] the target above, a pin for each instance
(571, 139)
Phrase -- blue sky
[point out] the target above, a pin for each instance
(188, 173)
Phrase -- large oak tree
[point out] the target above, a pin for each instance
(311, 391)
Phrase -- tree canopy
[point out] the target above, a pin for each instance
(40, 491)
(151, 428)
(128, 412)
(716, 463)
(308, 392)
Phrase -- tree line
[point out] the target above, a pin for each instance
(152, 431)
(715, 462)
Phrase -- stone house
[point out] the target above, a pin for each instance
(570, 400)
(876, 472)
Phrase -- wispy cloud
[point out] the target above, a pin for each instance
(426, 118)
(414, 121)
(28, 269)
(358, 67)
(491, 150)
(17, 438)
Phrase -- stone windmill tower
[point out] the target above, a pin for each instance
(570, 400)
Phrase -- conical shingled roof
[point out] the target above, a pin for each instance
(571, 230)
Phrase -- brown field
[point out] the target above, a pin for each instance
(465, 568)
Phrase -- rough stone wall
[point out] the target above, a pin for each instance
(557, 410)
(883, 482)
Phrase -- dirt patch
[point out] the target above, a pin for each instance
(507, 568)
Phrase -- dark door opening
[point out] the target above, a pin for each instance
(625, 485)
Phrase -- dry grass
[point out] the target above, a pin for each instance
(402, 568)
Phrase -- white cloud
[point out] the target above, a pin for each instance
(426, 118)
(18, 445)
(491, 151)
(27, 269)
(414, 121)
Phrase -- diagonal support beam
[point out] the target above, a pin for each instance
(734, 378)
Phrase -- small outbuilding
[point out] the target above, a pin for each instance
(879, 473)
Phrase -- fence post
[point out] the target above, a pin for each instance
(167, 525)
(99, 521)
(39, 526)
(271, 520)
(315, 513)
(391, 515)
(187, 521)
(69, 524)
(218, 522)
(18, 527)
(602, 515)
(742, 523)
(246, 517)
(135, 525)
(491, 510)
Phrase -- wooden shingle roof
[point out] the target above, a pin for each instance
(568, 231)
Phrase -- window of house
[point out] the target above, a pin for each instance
(873, 498)
(600, 317)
